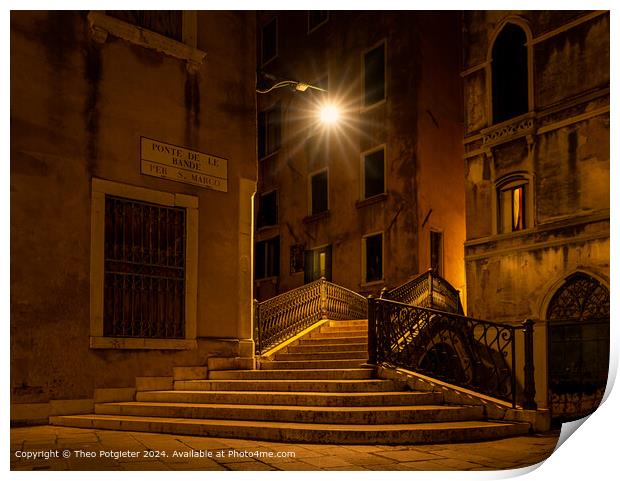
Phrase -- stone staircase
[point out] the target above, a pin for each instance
(314, 390)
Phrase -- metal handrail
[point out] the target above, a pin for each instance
(427, 289)
(285, 315)
(471, 353)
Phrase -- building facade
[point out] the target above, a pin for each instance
(536, 90)
(377, 196)
(133, 168)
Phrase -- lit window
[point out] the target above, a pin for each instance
(318, 263)
(512, 206)
(373, 257)
(374, 75)
(374, 173)
(269, 41)
(268, 209)
(318, 193)
(316, 18)
(509, 74)
(267, 261)
(269, 130)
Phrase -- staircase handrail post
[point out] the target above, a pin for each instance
(323, 296)
(372, 330)
(529, 384)
(430, 289)
(257, 326)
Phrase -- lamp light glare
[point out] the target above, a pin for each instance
(329, 114)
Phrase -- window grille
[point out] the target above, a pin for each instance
(144, 269)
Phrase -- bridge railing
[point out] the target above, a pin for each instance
(471, 353)
(283, 316)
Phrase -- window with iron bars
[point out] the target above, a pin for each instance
(144, 269)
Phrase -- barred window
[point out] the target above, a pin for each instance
(144, 269)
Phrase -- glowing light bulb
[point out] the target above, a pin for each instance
(329, 114)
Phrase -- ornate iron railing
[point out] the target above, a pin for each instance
(471, 353)
(428, 289)
(281, 317)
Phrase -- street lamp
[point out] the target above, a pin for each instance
(328, 113)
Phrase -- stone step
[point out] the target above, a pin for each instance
(319, 334)
(323, 385)
(299, 374)
(305, 341)
(325, 347)
(349, 323)
(318, 364)
(295, 414)
(344, 329)
(309, 356)
(335, 399)
(454, 432)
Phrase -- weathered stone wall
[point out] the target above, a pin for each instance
(78, 109)
(565, 151)
(419, 124)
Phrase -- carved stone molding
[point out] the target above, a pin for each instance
(523, 126)
(102, 25)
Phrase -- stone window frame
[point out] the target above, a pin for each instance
(310, 176)
(514, 179)
(101, 188)
(364, 282)
(261, 195)
(363, 106)
(363, 156)
(524, 25)
(102, 25)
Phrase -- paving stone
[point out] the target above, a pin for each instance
(408, 455)
(327, 462)
(249, 466)
(291, 466)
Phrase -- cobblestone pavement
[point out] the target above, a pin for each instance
(92, 449)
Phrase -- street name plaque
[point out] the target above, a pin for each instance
(172, 162)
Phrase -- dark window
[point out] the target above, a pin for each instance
(318, 194)
(297, 258)
(374, 257)
(269, 41)
(144, 270)
(436, 242)
(268, 209)
(374, 182)
(316, 18)
(168, 23)
(267, 258)
(512, 201)
(374, 75)
(509, 70)
(269, 133)
(318, 264)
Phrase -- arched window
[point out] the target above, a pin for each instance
(509, 73)
(513, 204)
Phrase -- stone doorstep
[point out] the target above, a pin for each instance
(539, 420)
(462, 431)
(321, 356)
(337, 385)
(333, 399)
(29, 414)
(316, 364)
(298, 374)
(296, 414)
(182, 373)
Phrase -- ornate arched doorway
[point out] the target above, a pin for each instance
(578, 349)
